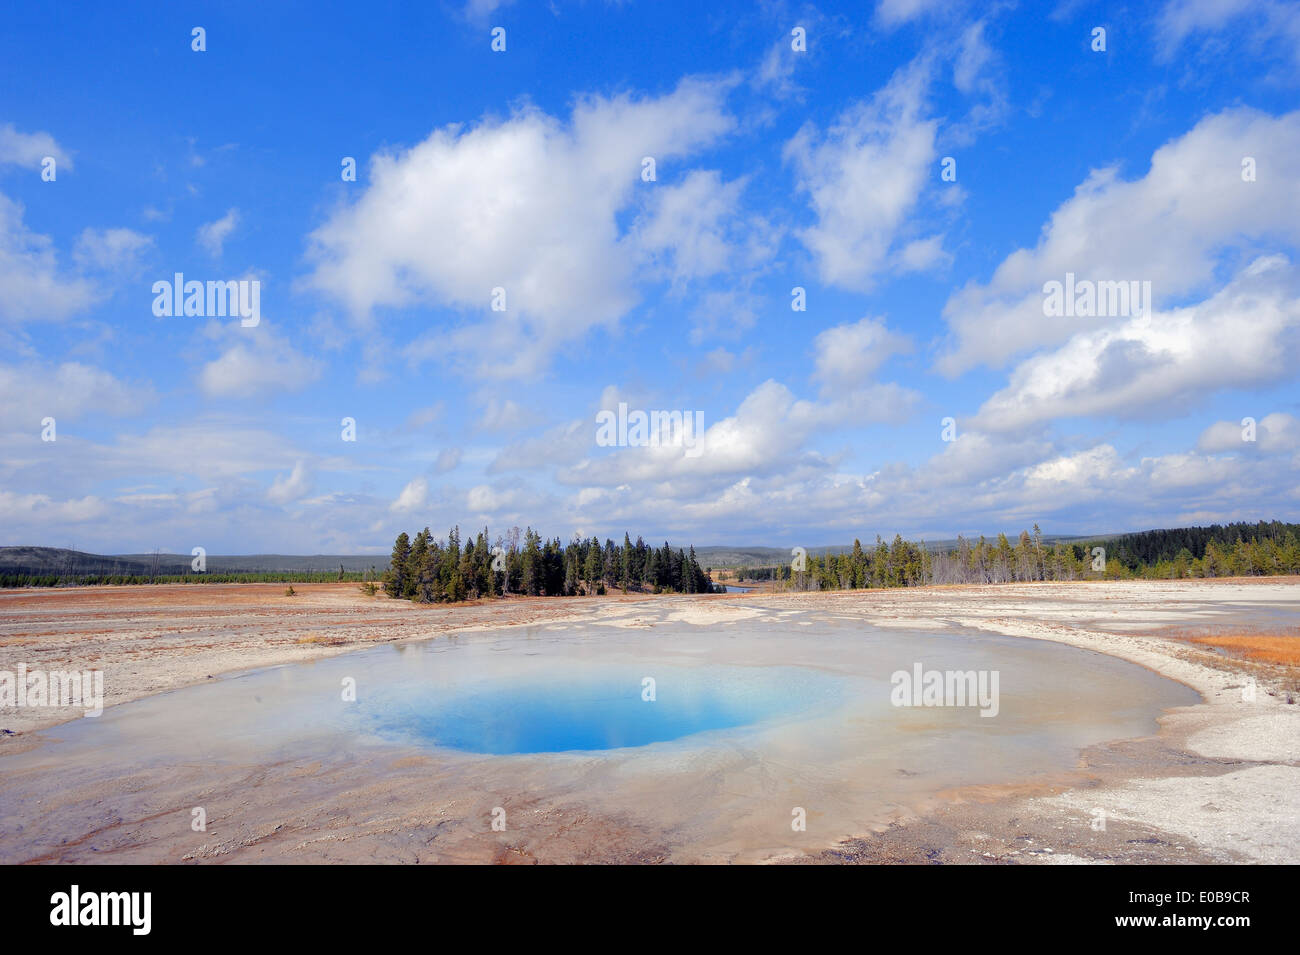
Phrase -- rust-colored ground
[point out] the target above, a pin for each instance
(1282, 649)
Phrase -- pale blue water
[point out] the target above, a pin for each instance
(600, 708)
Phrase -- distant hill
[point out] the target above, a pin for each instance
(741, 556)
(1132, 548)
(721, 556)
(58, 560)
(37, 561)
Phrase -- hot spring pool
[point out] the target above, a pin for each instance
(408, 749)
(603, 707)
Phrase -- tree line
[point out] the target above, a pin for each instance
(1234, 550)
(429, 570)
(1194, 543)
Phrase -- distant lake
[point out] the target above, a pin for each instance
(733, 589)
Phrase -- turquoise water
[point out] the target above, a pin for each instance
(602, 708)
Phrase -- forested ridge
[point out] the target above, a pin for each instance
(1233, 550)
(1193, 543)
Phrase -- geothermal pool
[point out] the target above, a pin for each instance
(595, 706)
(701, 740)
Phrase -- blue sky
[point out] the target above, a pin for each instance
(775, 168)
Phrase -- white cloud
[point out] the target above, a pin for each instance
(259, 361)
(1276, 432)
(111, 250)
(41, 508)
(893, 13)
(847, 356)
(290, 487)
(1245, 336)
(1168, 227)
(1092, 468)
(485, 499)
(553, 448)
(766, 435)
(766, 431)
(1265, 22)
(723, 314)
(688, 224)
(864, 176)
(448, 460)
(28, 149)
(775, 73)
(212, 235)
(528, 204)
(478, 11)
(506, 415)
(66, 392)
(31, 286)
(413, 497)
(208, 449)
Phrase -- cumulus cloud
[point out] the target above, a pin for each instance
(528, 204)
(767, 434)
(1168, 227)
(763, 434)
(863, 177)
(846, 356)
(1245, 336)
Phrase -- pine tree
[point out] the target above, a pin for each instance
(626, 562)
(395, 576)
